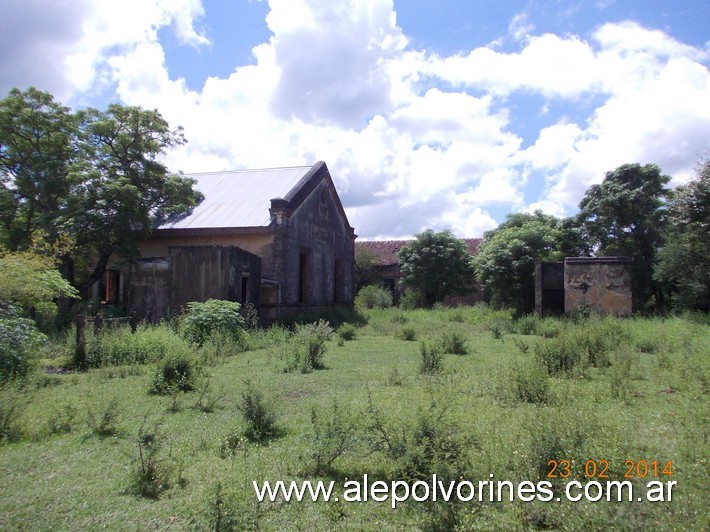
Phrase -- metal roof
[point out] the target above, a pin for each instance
(238, 198)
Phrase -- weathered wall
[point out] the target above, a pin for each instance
(199, 273)
(316, 230)
(192, 273)
(149, 289)
(602, 284)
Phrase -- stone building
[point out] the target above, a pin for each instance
(388, 273)
(602, 284)
(278, 238)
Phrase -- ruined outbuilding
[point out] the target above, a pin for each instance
(278, 238)
(601, 284)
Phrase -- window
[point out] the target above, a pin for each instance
(109, 287)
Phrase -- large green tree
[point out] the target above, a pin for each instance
(683, 262)
(90, 180)
(625, 215)
(505, 262)
(437, 265)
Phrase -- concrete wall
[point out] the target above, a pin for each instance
(602, 284)
(162, 286)
(317, 231)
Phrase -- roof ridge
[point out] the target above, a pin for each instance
(243, 170)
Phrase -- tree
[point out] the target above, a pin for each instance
(91, 177)
(505, 262)
(683, 260)
(625, 215)
(365, 268)
(437, 265)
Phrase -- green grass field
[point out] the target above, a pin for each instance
(96, 450)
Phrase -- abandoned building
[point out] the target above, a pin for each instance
(388, 273)
(278, 238)
(601, 284)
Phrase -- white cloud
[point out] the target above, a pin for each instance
(413, 140)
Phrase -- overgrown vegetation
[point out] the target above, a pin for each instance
(391, 409)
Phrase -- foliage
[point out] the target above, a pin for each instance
(432, 359)
(505, 262)
(259, 415)
(373, 296)
(330, 436)
(347, 331)
(19, 340)
(365, 271)
(175, 373)
(624, 215)
(214, 315)
(683, 260)
(118, 346)
(436, 264)
(32, 282)
(105, 422)
(454, 343)
(154, 474)
(412, 299)
(306, 350)
(90, 178)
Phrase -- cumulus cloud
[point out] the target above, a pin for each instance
(413, 139)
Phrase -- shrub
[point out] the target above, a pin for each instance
(105, 422)
(175, 373)
(154, 474)
(330, 436)
(527, 325)
(373, 296)
(347, 331)
(19, 339)
(202, 319)
(61, 420)
(259, 415)
(307, 349)
(119, 346)
(412, 299)
(559, 356)
(408, 333)
(432, 360)
(11, 408)
(454, 343)
(531, 384)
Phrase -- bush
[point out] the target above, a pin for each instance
(175, 373)
(105, 422)
(119, 346)
(11, 408)
(154, 474)
(454, 343)
(202, 319)
(330, 436)
(412, 299)
(347, 331)
(19, 340)
(531, 384)
(306, 350)
(373, 296)
(407, 333)
(432, 361)
(259, 415)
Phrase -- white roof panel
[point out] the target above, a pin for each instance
(238, 199)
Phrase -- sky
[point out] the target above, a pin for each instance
(441, 114)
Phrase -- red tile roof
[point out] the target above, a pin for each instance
(386, 250)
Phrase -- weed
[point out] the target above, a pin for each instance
(432, 360)
(394, 378)
(347, 332)
(208, 400)
(408, 334)
(105, 422)
(11, 408)
(175, 373)
(153, 474)
(233, 441)
(399, 317)
(454, 343)
(61, 419)
(527, 325)
(259, 415)
(620, 373)
(306, 351)
(331, 435)
(373, 296)
(531, 384)
(522, 346)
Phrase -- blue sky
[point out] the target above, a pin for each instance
(445, 114)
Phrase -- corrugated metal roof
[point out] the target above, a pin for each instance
(238, 199)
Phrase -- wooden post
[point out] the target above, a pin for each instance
(134, 322)
(98, 323)
(80, 349)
